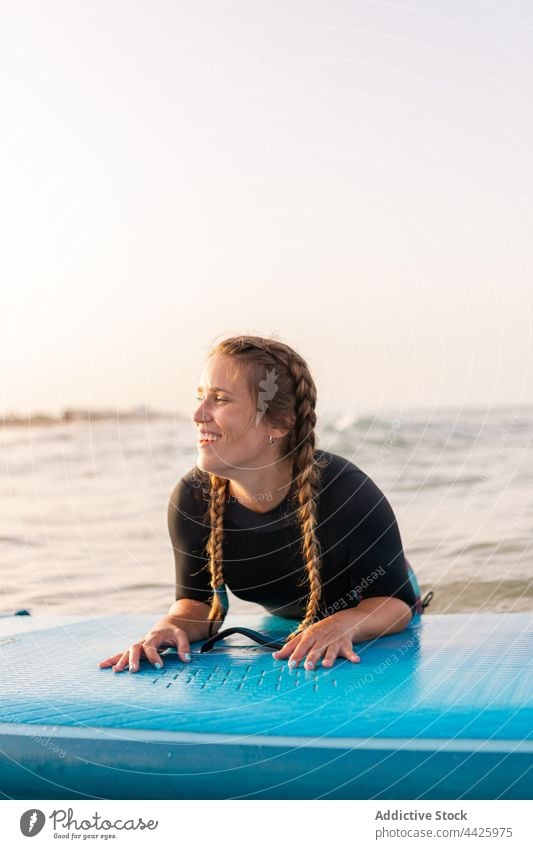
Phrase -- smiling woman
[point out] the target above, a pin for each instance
(301, 531)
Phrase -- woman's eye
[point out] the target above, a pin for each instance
(199, 398)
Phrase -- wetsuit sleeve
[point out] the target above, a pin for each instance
(377, 562)
(188, 536)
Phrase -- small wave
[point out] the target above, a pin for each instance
(16, 540)
(475, 596)
(495, 547)
(437, 483)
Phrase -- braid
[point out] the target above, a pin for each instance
(293, 406)
(307, 473)
(215, 516)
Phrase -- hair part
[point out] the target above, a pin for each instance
(291, 405)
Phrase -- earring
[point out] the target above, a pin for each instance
(271, 440)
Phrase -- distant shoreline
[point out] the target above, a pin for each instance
(142, 413)
(71, 416)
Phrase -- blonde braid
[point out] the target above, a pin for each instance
(307, 473)
(215, 516)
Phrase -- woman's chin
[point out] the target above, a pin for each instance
(209, 461)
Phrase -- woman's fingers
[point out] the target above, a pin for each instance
(182, 644)
(110, 661)
(287, 649)
(153, 655)
(134, 654)
(308, 647)
(148, 647)
(122, 662)
(331, 655)
(313, 657)
(335, 649)
(348, 652)
(301, 650)
(179, 639)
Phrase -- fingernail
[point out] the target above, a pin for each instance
(187, 656)
(275, 654)
(308, 665)
(159, 666)
(292, 664)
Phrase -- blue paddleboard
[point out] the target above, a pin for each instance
(443, 710)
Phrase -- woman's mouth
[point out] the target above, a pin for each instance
(203, 443)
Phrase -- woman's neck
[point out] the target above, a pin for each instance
(262, 493)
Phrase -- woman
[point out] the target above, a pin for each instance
(303, 532)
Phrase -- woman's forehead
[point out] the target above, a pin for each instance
(223, 375)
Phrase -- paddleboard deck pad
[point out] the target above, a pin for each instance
(443, 710)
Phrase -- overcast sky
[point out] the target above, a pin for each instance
(353, 177)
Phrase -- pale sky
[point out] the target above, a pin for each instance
(353, 177)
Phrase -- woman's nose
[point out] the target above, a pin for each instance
(201, 414)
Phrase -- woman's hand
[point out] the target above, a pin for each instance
(164, 634)
(329, 638)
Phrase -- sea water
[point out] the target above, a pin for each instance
(83, 507)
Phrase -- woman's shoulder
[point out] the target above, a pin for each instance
(334, 467)
(191, 490)
(346, 485)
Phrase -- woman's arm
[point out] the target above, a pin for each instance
(375, 617)
(191, 615)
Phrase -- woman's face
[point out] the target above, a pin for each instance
(227, 410)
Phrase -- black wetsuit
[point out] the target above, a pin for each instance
(361, 549)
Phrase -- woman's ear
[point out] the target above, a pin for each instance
(279, 432)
